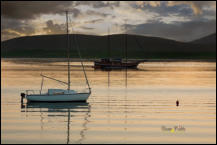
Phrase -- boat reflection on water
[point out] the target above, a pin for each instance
(65, 109)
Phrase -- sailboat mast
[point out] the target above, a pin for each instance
(126, 54)
(109, 56)
(109, 51)
(68, 51)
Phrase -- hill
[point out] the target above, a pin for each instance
(210, 39)
(97, 47)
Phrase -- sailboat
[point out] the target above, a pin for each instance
(59, 95)
(118, 63)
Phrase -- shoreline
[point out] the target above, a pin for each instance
(46, 60)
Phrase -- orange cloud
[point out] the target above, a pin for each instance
(197, 6)
(151, 3)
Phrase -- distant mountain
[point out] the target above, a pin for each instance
(92, 46)
(210, 39)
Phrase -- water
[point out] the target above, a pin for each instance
(144, 111)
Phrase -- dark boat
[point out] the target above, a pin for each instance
(107, 63)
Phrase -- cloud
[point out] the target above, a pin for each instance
(96, 13)
(93, 21)
(76, 12)
(17, 17)
(8, 34)
(99, 4)
(185, 31)
(52, 28)
(196, 6)
(11, 28)
(32, 9)
(163, 18)
(151, 3)
(86, 28)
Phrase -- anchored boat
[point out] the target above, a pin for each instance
(59, 95)
(107, 63)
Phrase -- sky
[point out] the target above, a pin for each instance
(178, 20)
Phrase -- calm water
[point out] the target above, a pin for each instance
(142, 112)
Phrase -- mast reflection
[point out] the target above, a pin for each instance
(70, 110)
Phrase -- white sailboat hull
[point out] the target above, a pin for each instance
(77, 97)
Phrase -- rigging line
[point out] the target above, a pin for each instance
(75, 38)
(77, 47)
(54, 79)
(140, 45)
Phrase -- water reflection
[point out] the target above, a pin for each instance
(144, 112)
(70, 110)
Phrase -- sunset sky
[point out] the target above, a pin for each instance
(178, 20)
